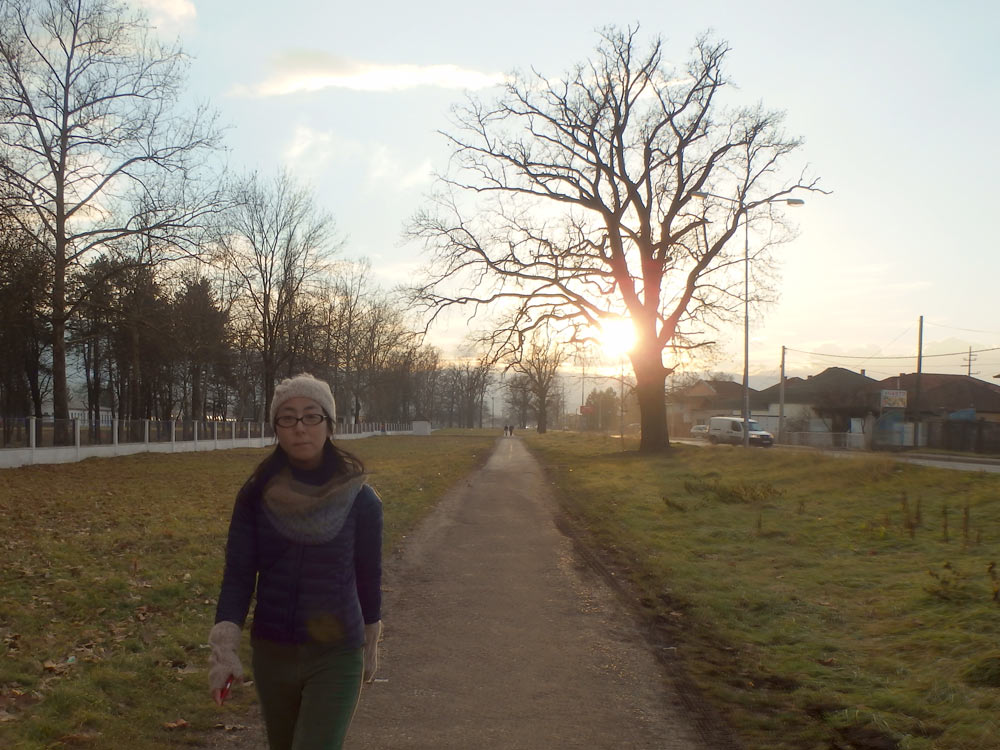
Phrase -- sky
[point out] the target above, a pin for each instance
(897, 103)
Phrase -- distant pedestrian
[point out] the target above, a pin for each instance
(306, 535)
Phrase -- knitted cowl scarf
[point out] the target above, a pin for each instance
(310, 513)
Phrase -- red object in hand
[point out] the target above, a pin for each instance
(225, 689)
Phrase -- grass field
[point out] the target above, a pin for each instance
(817, 602)
(109, 571)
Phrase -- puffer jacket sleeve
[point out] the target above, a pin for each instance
(240, 576)
(368, 554)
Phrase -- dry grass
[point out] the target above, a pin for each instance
(109, 569)
(818, 602)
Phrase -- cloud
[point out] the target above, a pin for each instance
(307, 72)
(314, 149)
(397, 273)
(311, 151)
(169, 12)
(384, 166)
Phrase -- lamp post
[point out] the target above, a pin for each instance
(621, 398)
(746, 297)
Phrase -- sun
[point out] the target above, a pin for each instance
(617, 336)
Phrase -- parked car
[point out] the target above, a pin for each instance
(699, 431)
(730, 430)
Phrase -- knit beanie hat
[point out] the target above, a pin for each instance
(303, 385)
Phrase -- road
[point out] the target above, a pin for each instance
(499, 635)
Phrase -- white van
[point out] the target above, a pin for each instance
(730, 430)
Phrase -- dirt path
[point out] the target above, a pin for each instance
(498, 636)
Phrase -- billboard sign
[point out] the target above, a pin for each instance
(893, 399)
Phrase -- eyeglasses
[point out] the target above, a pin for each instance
(309, 420)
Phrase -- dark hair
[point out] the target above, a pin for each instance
(342, 462)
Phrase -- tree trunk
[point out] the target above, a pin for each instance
(60, 398)
(135, 381)
(543, 415)
(268, 367)
(196, 396)
(31, 373)
(542, 426)
(651, 379)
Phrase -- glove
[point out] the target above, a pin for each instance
(225, 659)
(372, 634)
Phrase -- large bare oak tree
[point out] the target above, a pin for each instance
(94, 152)
(570, 202)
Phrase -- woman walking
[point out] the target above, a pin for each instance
(306, 535)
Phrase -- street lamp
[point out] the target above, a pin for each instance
(746, 297)
(621, 398)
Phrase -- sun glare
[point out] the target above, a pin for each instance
(617, 336)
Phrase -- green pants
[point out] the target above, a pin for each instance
(308, 693)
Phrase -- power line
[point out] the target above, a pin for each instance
(902, 356)
(956, 328)
(903, 333)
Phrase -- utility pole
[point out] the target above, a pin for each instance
(972, 358)
(781, 399)
(621, 400)
(746, 330)
(916, 396)
(745, 210)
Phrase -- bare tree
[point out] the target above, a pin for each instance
(603, 405)
(462, 391)
(518, 399)
(573, 202)
(539, 362)
(338, 341)
(383, 341)
(92, 148)
(425, 377)
(274, 245)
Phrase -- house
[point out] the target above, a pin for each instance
(835, 400)
(78, 410)
(708, 398)
(842, 408)
(957, 412)
(960, 397)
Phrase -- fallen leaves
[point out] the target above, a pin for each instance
(231, 727)
(57, 667)
(13, 700)
(79, 738)
(178, 724)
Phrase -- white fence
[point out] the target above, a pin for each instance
(35, 441)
